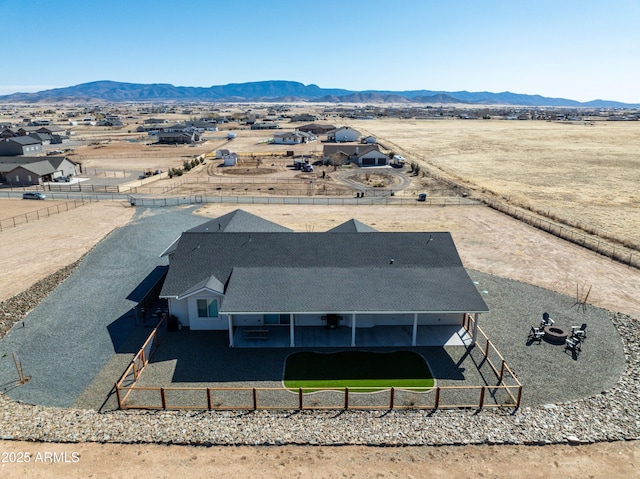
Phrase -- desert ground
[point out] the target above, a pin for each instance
(585, 174)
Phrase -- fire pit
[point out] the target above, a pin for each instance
(555, 335)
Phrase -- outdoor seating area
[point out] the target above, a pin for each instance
(556, 335)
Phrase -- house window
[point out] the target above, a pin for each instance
(29, 178)
(207, 308)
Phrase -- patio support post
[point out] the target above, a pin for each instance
(292, 334)
(475, 328)
(353, 329)
(230, 317)
(414, 338)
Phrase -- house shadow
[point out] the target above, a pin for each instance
(446, 364)
(128, 332)
(205, 357)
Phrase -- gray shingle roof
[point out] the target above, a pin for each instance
(239, 221)
(352, 226)
(234, 221)
(375, 267)
(342, 290)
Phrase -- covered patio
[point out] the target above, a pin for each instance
(323, 337)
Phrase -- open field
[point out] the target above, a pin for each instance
(15, 207)
(585, 174)
(32, 251)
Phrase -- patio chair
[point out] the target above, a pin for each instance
(579, 333)
(574, 345)
(546, 320)
(535, 334)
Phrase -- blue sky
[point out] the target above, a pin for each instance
(583, 50)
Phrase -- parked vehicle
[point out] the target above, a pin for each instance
(422, 197)
(31, 195)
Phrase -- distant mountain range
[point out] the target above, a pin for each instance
(286, 92)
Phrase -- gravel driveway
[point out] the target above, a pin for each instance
(72, 334)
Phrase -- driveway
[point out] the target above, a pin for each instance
(72, 334)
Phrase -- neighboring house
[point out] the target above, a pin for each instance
(27, 171)
(43, 138)
(293, 138)
(358, 284)
(174, 138)
(304, 117)
(317, 129)
(20, 145)
(363, 155)
(265, 126)
(203, 125)
(343, 134)
(9, 132)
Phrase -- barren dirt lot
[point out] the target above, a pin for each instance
(599, 461)
(584, 173)
(31, 208)
(32, 251)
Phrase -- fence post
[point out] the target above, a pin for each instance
(481, 398)
(346, 398)
(209, 399)
(164, 398)
(118, 396)
(519, 396)
(486, 350)
(391, 397)
(300, 398)
(502, 371)
(255, 399)
(437, 401)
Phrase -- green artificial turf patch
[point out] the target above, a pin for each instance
(357, 369)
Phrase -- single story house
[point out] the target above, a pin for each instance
(174, 138)
(363, 155)
(343, 134)
(242, 274)
(20, 145)
(293, 138)
(28, 171)
(316, 128)
(265, 126)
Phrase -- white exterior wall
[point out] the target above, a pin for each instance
(347, 134)
(405, 319)
(180, 311)
(309, 320)
(248, 320)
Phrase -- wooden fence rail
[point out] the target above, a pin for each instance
(132, 396)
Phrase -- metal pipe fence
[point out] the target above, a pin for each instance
(300, 200)
(38, 214)
(594, 243)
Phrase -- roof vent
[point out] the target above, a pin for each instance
(391, 262)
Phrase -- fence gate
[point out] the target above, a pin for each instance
(198, 199)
